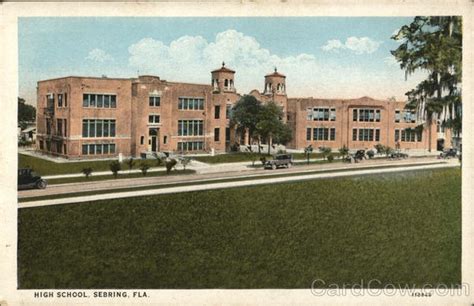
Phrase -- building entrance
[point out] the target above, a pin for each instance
(153, 140)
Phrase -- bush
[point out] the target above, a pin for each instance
(325, 151)
(380, 148)
(144, 168)
(130, 163)
(184, 161)
(115, 167)
(370, 154)
(263, 159)
(170, 164)
(87, 171)
(344, 151)
(330, 157)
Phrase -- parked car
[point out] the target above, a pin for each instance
(280, 160)
(27, 178)
(448, 153)
(398, 155)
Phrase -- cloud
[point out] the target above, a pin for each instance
(359, 45)
(391, 61)
(98, 55)
(192, 58)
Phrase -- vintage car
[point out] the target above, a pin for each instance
(280, 160)
(448, 153)
(27, 178)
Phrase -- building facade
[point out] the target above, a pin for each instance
(89, 117)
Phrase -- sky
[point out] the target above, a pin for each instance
(323, 57)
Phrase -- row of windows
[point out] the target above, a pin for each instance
(99, 100)
(366, 134)
(62, 100)
(190, 128)
(366, 115)
(191, 103)
(190, 145)
(321, 114)
(98, 148)
(405, 116)
(98, 128)
(408, 135)
(321, 134)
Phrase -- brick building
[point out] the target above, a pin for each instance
(90, 117)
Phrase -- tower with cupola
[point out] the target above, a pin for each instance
(275, 90)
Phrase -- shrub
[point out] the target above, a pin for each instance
(325, 151)
(370, 154)
(184, 161)
(87, 171)
(330, 157)
(263, 159)
(115, 167)
(144, 168)
(344, 151)
(380, 148)
(170, 164)
(130, 163)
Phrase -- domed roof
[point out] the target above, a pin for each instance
(276, 74)
(223, 69)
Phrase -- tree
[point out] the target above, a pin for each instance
(115, 167)
(26, 113)
(130, 163)
(433, 44)
(344, 151)
(325, 151)
(170, 164)
(87, 171)
(184, 161)
(308, 150)
(144, 168)
(245, 115)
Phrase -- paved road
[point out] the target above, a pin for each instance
(72, 188)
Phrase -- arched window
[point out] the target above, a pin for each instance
(226, 83)
(231, 83)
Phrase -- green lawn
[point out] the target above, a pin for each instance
(243, 157)
(399, 228)
(46, 167)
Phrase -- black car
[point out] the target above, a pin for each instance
(281, 160)
(448, 153)
(27, 178)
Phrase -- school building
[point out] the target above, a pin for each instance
(92, 117)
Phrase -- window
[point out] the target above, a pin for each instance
(365, 134)
(403, 135)
(397, 116)
(64, 149)
(59, 127)
(332, 115)
(419, 135)
(323, 114)
(65, 127)
(227, 134)
(397, 135)
(142, 140)
(50, 101)
(99, 100)
(217, 111)
(354, 115)
(190, 128)
(216, 134)
(154, 119)
(191, 103)
(333, 134)
(377, 115)
(65, 102)
(60, 100)
(309, 114)
(98, 148)
(322, 133)
(98, 128)
(41, 145)
(366, 115)
(154, 101)
(190, 145)
(165, 139)
(48, 126)
(308, 134)
(228, 111)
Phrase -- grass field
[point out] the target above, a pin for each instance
(402, 228)
(244, 157)
(46, 167)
